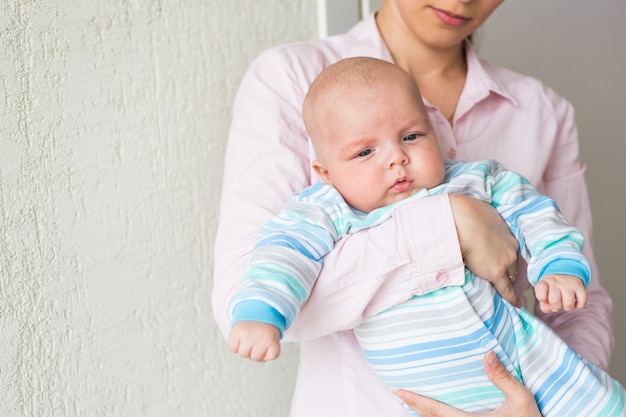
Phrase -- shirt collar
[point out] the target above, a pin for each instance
(367, 41)
(481, 79)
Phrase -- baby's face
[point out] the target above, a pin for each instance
(377, 146)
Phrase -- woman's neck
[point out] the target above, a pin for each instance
(439, 71)
(418, 58)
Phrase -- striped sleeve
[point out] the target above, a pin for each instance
(289, 254)
(547, 242)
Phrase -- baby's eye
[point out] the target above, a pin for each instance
(411, 136)
(364, 152)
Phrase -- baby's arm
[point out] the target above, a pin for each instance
(560, 292)
(552, 248)
(282, 270)
(254, 340)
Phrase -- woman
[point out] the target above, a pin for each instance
(478, 111)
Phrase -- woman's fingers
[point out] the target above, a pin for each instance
(504, 287)
(489, 249)
(519, 402)
(427, 407)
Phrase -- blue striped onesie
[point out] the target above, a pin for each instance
(434, 343)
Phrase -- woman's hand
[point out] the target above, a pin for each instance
(518, 402)
(488, 247)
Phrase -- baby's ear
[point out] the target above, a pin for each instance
(321, 171)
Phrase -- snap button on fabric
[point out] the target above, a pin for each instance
(442, 276)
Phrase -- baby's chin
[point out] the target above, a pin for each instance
(386, 200)
(406, 194)
(396, 197)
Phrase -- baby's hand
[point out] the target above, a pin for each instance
(556, 292)
(257, 341)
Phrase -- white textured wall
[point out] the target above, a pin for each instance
(113, 119)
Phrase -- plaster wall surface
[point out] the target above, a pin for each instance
(113, 123)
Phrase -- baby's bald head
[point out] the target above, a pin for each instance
(342, 80)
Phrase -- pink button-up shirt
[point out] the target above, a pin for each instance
(501, 115)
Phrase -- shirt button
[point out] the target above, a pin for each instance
(451, 153)
(485, 343)
(442, 276)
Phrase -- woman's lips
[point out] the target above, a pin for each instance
(450, 19)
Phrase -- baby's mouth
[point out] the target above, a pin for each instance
(402, 184)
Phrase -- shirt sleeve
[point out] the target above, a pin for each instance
(266, 161)
(565, 182)
(414, 252)
(288, 256)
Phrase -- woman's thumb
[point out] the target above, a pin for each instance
(498, 374)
